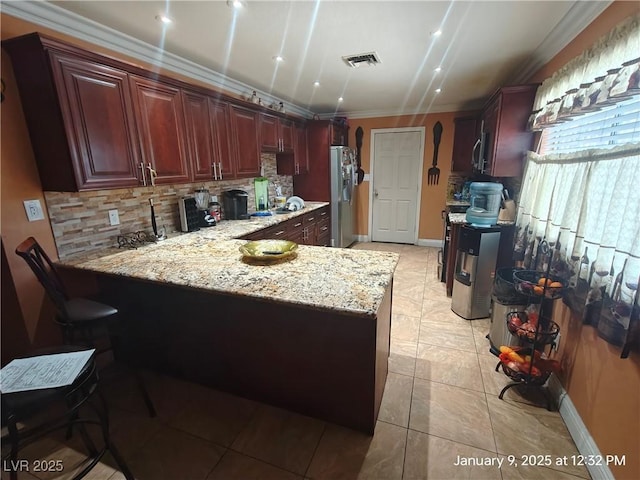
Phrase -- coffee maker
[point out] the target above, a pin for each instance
(235, 204)
(202, 197)
(474, 271)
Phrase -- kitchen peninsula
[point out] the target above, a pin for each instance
(310, 334)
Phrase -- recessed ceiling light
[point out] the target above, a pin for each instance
(437, 69)
(340, 99)
(438, 90)
(437, 33)
(235, 3)
(316, 84)
(278, 58)
(164, 19)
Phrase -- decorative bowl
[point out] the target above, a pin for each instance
(268, 249)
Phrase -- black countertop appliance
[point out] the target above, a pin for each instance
(235, 204)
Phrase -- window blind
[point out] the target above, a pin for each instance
(610, 127)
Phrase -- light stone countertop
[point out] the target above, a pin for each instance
(336, 279)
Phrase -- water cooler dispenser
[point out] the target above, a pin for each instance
(474, 271)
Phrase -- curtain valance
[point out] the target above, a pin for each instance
(602, 75)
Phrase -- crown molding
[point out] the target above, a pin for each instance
(579, 16)
(453, 107)
(69, 23)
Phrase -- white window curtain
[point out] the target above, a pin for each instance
(579, 210)
(602, 75)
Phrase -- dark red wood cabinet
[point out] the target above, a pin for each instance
(199, 132)
(207, 135)
(79, 115)
(159, 118)
(504, 122)
(464, 138)
(245, 143)
(276, 134)
(222, 139)
(314, 185)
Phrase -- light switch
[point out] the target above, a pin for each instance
(34, 210)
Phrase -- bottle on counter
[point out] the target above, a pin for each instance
(215, 209)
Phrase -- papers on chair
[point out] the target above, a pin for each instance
(44, 371)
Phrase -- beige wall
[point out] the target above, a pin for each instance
(433, 196)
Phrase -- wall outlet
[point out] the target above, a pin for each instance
(114, 218)
(34, 210)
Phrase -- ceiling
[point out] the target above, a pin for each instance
(483, 45)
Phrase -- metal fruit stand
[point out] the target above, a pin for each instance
(528, 364)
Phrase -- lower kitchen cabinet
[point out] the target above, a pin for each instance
(313, 228)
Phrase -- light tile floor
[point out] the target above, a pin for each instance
(440, 404)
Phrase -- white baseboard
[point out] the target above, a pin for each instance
(429, 242)
(422, 242)
(581, 436)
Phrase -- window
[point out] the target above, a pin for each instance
(611, 127)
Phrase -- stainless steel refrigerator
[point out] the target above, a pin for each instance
(342, 171)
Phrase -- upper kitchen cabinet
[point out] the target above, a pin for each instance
(295, 163)
(245, 144)
(464, 139)
(300, 152)
(79, 115)
(339, 133)
(159, 118)
(207, 135)
(276, 134)
(504, 131)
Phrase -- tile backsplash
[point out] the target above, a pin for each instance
(80, 220)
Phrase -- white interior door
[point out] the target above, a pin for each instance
(396, 171)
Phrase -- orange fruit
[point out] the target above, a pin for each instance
(556, 285)
(544, 281)
(538, 290)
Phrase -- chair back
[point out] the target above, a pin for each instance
(31, 251)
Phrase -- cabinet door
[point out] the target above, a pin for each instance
(199, 135)
(286, 133)
(301, 154)
(490, 128)
(269, 138)
(505, 121)
(222, 139)
(465, 136)
(339, 135)
(245, 145)
(159, 117)
(96, 104)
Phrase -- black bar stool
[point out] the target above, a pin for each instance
(33, 414)
(83, 321)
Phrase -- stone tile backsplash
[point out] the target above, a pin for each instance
(80, 220)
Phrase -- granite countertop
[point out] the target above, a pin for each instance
(336, 279)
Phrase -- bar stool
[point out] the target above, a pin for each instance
(33, 414)
(82, 320)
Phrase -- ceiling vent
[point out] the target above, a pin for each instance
(370, 59)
